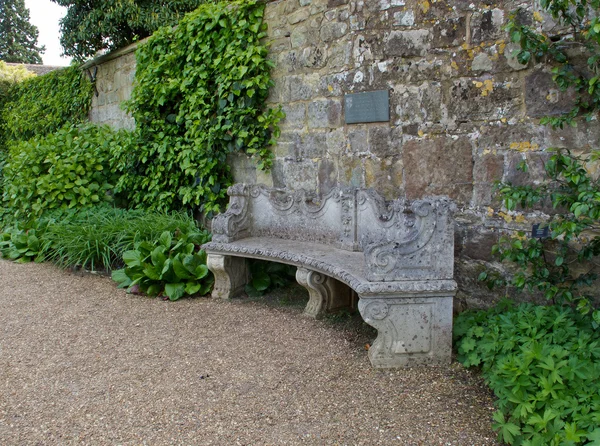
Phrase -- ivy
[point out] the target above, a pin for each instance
(43, 104)
(579, 39)
(199, 95)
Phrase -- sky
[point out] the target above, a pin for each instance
(45, 15)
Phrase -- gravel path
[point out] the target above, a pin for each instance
(83, 363)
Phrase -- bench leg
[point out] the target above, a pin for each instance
(231, 275)
(410, 331)
(325, 293)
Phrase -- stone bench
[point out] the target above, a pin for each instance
(397, 256)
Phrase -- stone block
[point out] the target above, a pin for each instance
(301, 174)
(336, 142)
(298, 16)
(488, 169)
(407, 43)
(295, 116)
(450, 32)
(543, 97)
(404, 18)
(351, 171)
(441, 166)
(327, 176)
(333, 31)
(385, 141)
(313, 145)
(385, 176)
(325, 114)
(483, 98)
(478, 243)
(301, 88)
(357, 137)
(417, 103)
(487, 25)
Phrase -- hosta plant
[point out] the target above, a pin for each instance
(173, 266)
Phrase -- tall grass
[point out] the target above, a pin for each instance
(96, 238)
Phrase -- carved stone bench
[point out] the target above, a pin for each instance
(397, 256)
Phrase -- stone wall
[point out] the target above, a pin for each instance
(113, 74)
(463, 112)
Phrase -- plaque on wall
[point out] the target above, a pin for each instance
(370, 106)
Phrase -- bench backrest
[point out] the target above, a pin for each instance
(401, 240)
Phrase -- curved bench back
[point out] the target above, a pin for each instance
(401, 240)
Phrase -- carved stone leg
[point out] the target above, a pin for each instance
(325, 293)
(411, 331)
(231, 275)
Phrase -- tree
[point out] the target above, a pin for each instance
(93, 25)
(18, 37)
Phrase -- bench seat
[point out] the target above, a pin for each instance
(397, 258)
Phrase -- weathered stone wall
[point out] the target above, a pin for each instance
(113, 74)
(464, 113)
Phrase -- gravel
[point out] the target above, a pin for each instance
(83, 363)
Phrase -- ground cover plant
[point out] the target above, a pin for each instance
(266, 276)
(543, 364)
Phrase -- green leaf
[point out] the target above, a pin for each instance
(260, 281)
(121, 278)
(132, 258)
(174, 291)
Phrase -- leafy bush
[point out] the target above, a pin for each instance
(543, 364)
(173, 265)
(43, 104)
(268, 275)
(67, 169)
(200, 94)
(96, 238)
(563, 266)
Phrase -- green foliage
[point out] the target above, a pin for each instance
(265, 276)
(18, 37)
(543, 364)
(173, 265)
(563, 266)
(579, 39)
(67, 169)
(199, 95)
(95, 238)
(21, 245)
(43, 104)
(93, 25)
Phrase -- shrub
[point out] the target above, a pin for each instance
(43, 104)
(543, 364)
(173, 265)
(67, 169)
(200, 94)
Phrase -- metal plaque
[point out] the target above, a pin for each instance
(371, 106)
(540, 231)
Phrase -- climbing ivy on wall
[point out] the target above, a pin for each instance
(199, 94)
(43, 104)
